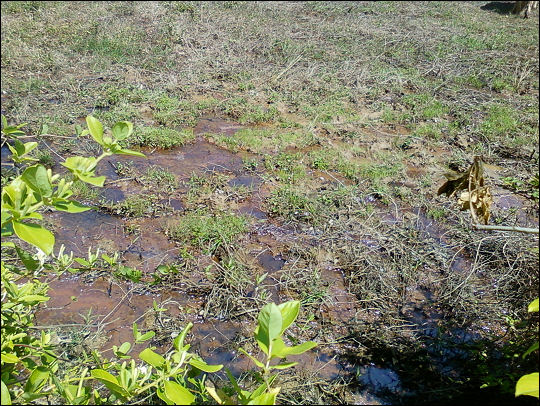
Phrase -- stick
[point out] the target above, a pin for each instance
(506, 228)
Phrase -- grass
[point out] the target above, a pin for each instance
(265, 140)
(160, 137)
(160, 178)
(136, 206)
(207, 231)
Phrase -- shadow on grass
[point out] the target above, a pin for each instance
(438, 368)
(500, 7)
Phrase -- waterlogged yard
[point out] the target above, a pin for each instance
(292, 151)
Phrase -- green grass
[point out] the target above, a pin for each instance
(424, 106)
(286, 167)
(207, 231)
(289, 203)
(160, 137)
(265, 140)
(241, 109)
(429, 131)
(500, 121)
(160, 178)
(142, 205)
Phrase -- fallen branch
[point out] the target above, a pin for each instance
(505, 228)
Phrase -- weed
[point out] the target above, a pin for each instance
(425, 106)
(125, 169)
(250, 165)
(44, 158)
(289, 203)
(207, 231)
(136, 206)
(428, 130)
(500, 122)
(84, 191)
(160, 178)
(161, 137)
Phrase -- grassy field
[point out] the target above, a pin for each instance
(318, 132)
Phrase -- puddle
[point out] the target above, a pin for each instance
(248, 181)
(112, 307)
(379, 379)
(516, 207)
(270, 263)
(182, 162)
(112, 195)
(144, 251)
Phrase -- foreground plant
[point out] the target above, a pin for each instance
(273, 320)
(528, 384)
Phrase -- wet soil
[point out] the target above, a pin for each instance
(116, 305)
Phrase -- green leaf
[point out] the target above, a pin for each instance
(37, 179)
(203, 366)
(9, 358)
(255, 360)
(528, 385)
(33, 298)
(96, 181)
(135, 331)
(163, 397)
(109, 381)
(146, 336)
(262, 387)
(95, 128)
(6, 397)
(300, 349)
(30, 263)
(37, 379)
(532, 348)
(270, 322)
(268, 398)
(125, 151)
(289, 312)
(533, 307)
(122, 130)
(152, 358)
(70, 206)
(125, 347)
(36, 235)
(284, 365)
(179, 340)
(178, 394)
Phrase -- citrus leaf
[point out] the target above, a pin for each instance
(9, 359)
(528, 385)
(122, 130)
(152, 358)
(533, 307)
(70, 206)
(203, 366)
(289, 312)
(109, 381)
(95, 128)
(270, 322)
(37, 179)
(284, 365)
(36, 235)
(6, 397)
(178, 394)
